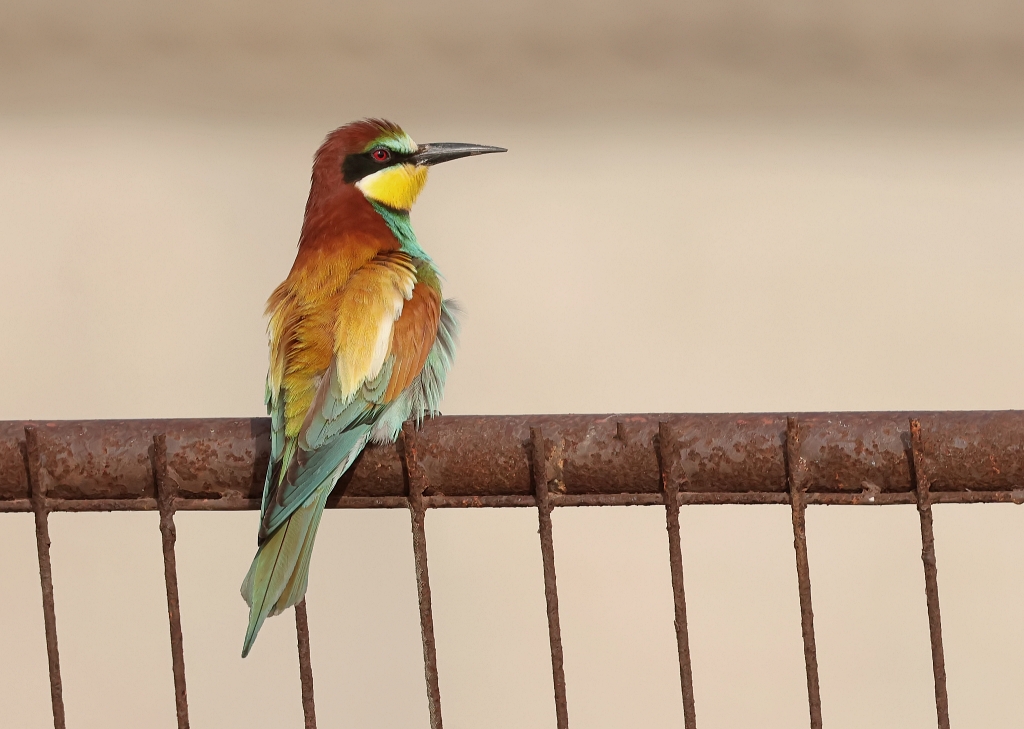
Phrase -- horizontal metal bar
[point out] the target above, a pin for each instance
(145, 504)
(463, 502)
(478, 502)
(471, 461)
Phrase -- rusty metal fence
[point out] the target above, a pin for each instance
(528, 461)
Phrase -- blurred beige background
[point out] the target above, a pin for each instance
(706, 206)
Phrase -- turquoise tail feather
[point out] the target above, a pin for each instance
(279, 572)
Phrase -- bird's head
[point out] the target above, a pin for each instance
(383, 162)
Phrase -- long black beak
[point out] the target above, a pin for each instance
(438, 152)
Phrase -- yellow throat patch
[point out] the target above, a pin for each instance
(397, 186)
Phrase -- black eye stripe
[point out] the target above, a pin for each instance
(357, 166)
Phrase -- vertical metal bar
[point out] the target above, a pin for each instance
(41, 510)
(305, 665)
(797, 489)
(670, 489)
(547, 550)
(922, 486)
(165, 494)
(415, 481)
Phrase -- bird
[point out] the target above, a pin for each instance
(360, 339)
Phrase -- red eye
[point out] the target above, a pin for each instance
(380, 155)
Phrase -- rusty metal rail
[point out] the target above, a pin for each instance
(529, 461)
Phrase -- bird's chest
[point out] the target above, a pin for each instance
(308, 349)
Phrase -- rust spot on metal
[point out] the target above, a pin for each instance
(13, 471)
(726, 453)
(975, 451)
(853, 452)
(218, 459)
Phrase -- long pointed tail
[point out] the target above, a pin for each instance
(279, 572)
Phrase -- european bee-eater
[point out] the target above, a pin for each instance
(360, 341)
